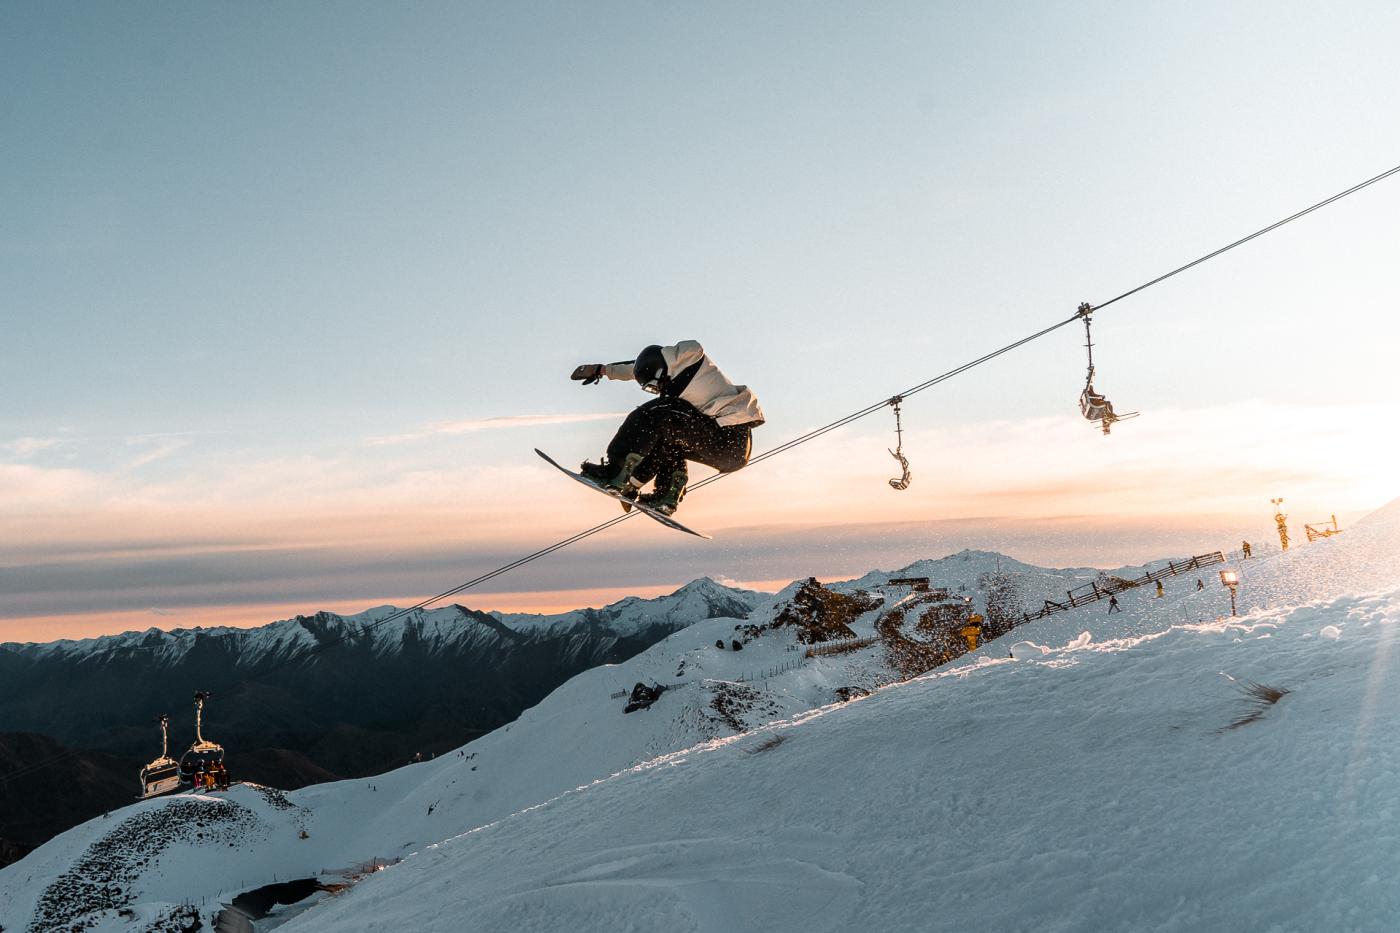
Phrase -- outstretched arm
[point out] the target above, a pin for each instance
(621, 371)
(589, 373)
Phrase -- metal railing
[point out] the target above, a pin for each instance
(1095, 591)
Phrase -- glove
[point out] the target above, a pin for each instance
(589, 373)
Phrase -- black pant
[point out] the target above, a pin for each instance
(669, 431)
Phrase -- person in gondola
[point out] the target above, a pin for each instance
(698, 415)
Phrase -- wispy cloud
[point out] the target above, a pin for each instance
(493, 424)
(28, 446)
(26, 488)
(158, 450)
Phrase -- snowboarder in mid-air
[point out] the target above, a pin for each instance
(698, 415)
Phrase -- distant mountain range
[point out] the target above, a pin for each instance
(303, 700)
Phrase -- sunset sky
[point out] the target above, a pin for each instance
(290, 291)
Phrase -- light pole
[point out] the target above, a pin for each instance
(1231, 579)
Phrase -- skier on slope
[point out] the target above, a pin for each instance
(699, 415)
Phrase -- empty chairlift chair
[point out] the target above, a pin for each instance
(162, 775)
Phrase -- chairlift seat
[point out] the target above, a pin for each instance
(160, 777)
(1094, 406)
(198, 758)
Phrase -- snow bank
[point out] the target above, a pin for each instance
(1124, 784)
(1120, 782)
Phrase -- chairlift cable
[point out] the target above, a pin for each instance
(1257, 233)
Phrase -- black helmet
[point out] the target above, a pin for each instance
(649, 368)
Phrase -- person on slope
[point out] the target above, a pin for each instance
(698, 415)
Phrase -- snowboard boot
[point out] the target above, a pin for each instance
(613, 478)
(628, 493)
(668, 498)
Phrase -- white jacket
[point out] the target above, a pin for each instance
(709, 389)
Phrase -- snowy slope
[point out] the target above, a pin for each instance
(1097, 786)
(931, 799)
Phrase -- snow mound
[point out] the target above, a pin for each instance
(1026, 650)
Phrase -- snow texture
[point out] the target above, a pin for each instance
(1163, 768)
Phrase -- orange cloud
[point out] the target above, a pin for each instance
(503, 422)
(303, 533)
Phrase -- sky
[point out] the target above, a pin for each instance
(291, 291)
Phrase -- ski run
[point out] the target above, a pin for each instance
(1166, 768)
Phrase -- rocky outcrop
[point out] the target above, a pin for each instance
(820, 614)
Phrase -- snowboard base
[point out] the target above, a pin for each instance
(651, 513)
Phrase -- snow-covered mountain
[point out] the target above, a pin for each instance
(1086, 772)
(291, 698)
(434, 631)
(76, 690)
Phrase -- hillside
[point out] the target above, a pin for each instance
(289, 697)
(1123, 778)
(1038, 782)
(91, 782)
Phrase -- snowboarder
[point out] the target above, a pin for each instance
(1244, 546)
(1200, 584)
(1160, 590)
(698, 415)
(1113, 604)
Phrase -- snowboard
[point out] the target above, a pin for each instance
(651, 513)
